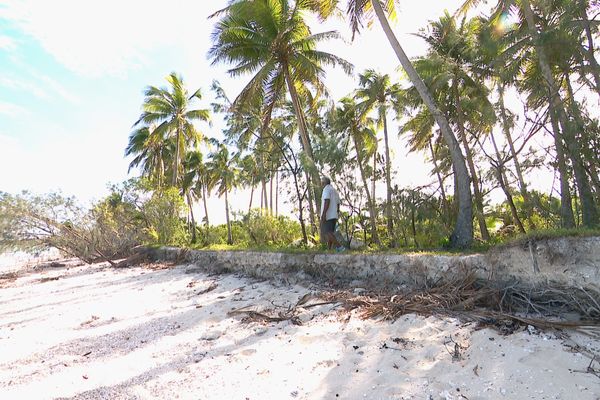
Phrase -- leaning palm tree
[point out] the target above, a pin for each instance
(271, 40)
(361, 11)
(167, 111)
(224, 177)
(376, 92)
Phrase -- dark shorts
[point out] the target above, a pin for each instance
(329, 226)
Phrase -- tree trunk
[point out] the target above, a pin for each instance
(374, 177)
(528, 202)
(229, 236)
(304, 139)
(567, 219)
(593, 63)
(300, 207)
(313, 218)
(413, 226)
(445, 204)
(374, 236)
(251, 198)
(263, 196)
(463, 230)
(193, 220)
(277, 193)
(501, 176)
(161, 172)
(588, 207)
(271, 195)
(588, 160)
(485, 235)
(204, 194)
(388, 182)
(176, 159)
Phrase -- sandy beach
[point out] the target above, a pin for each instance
(94, 332)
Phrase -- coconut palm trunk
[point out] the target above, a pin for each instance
(300, 208)
(462, 236)
(372, 216)
(591, 58)
(388, 181)
(588, 207)
(306, 146)
(229, 235)
(175, 177)
(445, 204)
(485, 235)
(503, 181)
(590, 162)
(567, 219)
(251, 198)
(271, 195)
(192, 219)
(311, 207)
(277, 194)
(204, 195)
(518, 170)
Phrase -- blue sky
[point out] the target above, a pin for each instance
(72, 75)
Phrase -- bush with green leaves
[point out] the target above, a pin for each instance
(35, 222)
(129, 216)
(268, 230)
(164, 214)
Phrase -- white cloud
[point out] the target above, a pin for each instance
(7, 43)
(56, 87)
(11, 110)
(29, 87)
(110, 37)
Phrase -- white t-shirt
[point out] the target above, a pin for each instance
(334, 200)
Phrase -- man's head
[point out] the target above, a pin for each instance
(325, 181)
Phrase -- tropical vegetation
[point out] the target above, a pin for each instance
(506, 91)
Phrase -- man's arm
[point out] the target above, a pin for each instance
(324, 211)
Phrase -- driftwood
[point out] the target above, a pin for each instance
(253, 315)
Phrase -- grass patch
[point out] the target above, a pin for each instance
(476, 248)
(549, 234)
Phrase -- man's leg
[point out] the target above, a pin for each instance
(329, 229)
(330, 240)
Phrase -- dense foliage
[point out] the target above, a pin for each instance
(499, 98)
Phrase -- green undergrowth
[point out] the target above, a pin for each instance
(549, 234)
(477, 247)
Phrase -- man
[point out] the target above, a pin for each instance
(330, 207)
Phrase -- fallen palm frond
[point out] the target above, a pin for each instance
(253, 315)
(507, 307)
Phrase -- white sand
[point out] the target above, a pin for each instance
(101, 333)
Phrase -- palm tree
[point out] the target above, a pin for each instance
(224, 173)
(377, 92)
(360, 10)
(150, 151)
(499, 59)
(359, 128)
(195, 184)
(166, 112)
(555, 102)
(271, 40)
(447, 65)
